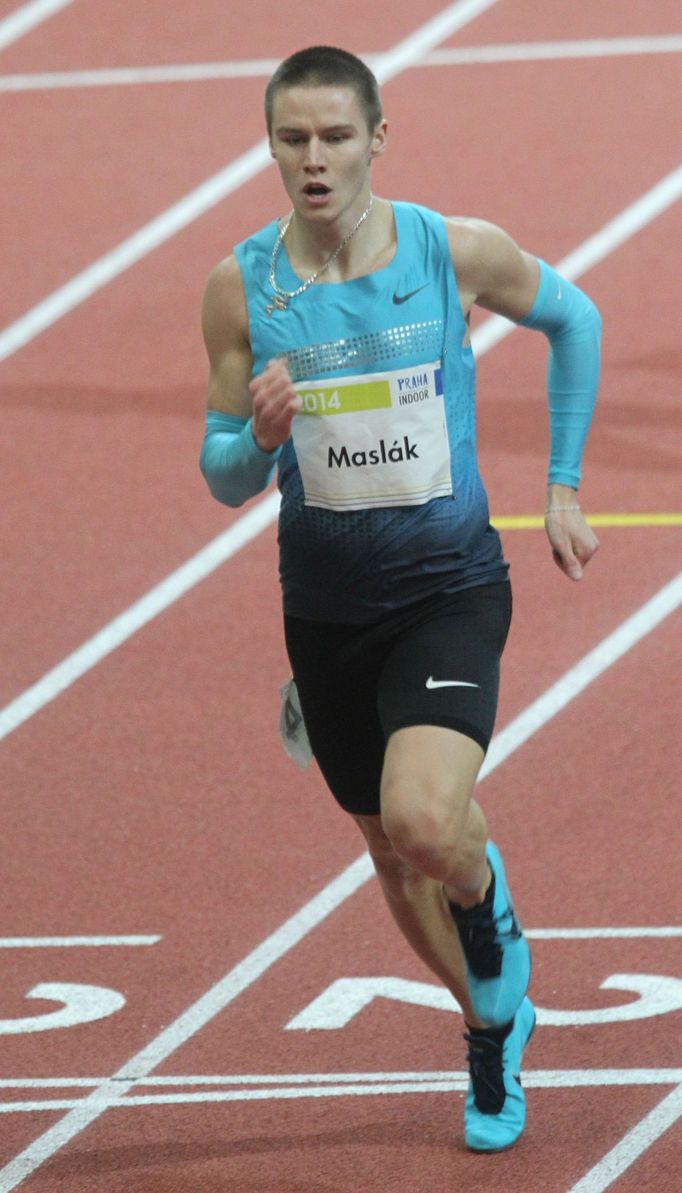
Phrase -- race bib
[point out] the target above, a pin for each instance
(374, 440)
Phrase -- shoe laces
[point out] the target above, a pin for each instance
(487, 1078)
(481, 946)
(482, 934)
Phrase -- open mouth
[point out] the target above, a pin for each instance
(316, 190)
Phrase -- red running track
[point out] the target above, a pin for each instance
(151, 797)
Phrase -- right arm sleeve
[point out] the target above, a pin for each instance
(572, 325)
(233, 465)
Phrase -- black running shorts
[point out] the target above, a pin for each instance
(434, 663)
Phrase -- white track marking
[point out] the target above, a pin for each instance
(601, 933)
(632, 1145)
(126, 76)
(75, 942)
(238, 979)
(107, 942)
(276, 1087)
(285, 938)
(23, 19)
(346, 998)
(540, 51)
(201, 1012)
(413, 48)
(255, 68)
(538, 1079)
(593, 250)
(485, 337)
(81, 287)
(139, 614)
(577, 678)
(79, 1004)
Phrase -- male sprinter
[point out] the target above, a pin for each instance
(338, 341)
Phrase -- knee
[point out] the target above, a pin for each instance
(420, 843)
(423, 831)
(394, 871)
(401, 882)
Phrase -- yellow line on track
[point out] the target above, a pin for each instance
(535, 521)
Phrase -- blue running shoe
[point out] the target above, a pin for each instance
(495, 1109)
(495, 949)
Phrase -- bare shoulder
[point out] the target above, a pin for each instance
(474, 240)
(224, 306)
(225, 325)
(491, 269)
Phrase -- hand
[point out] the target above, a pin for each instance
(573, 542)
(275, 402)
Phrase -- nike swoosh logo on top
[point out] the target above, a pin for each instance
(448, 683)
(398, 298)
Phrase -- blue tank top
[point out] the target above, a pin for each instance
(339, 562)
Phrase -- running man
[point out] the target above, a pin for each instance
(338, 341)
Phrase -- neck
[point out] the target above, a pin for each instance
(314, 240)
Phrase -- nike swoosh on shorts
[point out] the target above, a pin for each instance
(448, 683)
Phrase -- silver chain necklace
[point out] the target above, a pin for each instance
(283, 297)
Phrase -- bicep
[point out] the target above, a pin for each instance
(492, 271)
(225, 331)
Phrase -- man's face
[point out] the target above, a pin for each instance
(323, 147)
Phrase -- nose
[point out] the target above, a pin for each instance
(314, 158)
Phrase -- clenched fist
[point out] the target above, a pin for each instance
(275, 402)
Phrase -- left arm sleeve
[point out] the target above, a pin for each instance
(572, 325)
(234, 466)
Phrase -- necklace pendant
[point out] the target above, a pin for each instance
(279, 303)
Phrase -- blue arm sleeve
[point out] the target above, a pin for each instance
(572, 325)
(234, 466)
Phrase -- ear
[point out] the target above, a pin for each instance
(379, 139)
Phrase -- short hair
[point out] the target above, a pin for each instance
(326, 66)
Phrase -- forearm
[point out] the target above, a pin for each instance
(572, 325)
(233, 465)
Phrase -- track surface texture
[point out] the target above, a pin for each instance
(201, 987)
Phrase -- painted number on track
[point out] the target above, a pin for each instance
(79, 1004)
(345, 998)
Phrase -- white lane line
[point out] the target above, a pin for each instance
(611, 236)
(537, 1078)
(540, 51)
(632, 1145)
(412, 49)
(602, 933)
(485, 337)
(23, 19)
(164, 226)
(590, 667)
(81, 287)
(75, 942)
(125, 76)
(285, 938)
(277, 1087)
(631, 220)
(255, 68)
(116, 632)
(108, 942)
